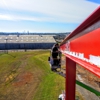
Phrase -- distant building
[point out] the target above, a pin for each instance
(17, 41)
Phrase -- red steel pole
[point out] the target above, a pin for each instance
(70, 79)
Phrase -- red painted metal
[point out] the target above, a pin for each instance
(70, 79)
(92, 68)
(82, 46)
(87, 44)
(85, 41)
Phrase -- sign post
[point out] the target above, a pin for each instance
(70, 79)
(82, 46)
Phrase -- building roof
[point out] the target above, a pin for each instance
(27, 39)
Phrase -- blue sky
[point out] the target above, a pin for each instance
(44, 15)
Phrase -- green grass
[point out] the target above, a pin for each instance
(45, 84)
(51, 84)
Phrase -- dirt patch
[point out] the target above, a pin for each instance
(88, 77)
(22, 79)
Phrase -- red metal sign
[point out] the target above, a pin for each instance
(83, 44)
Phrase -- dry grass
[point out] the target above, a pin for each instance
(27, 76)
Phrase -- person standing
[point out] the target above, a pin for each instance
(55, 53)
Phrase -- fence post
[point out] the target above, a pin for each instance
(70, 79)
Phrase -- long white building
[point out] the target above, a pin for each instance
(26, 42)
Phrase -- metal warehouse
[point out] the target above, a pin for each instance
(26, 42)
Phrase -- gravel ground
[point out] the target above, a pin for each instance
(86, 94)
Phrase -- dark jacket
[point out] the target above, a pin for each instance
(54, 52)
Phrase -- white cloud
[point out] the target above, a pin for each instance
(5, 17)
(68, 11)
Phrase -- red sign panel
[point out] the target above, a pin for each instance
(84, 46)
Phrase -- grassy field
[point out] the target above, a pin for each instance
(27, 76)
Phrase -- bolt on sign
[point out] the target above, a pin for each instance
(83, 44)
